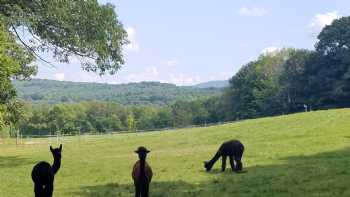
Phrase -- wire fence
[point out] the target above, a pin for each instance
(66, 138)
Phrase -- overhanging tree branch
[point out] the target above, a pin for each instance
(29, 48)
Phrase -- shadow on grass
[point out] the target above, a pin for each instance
(13, 161)
(324, 174)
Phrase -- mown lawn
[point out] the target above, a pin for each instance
(306, 154)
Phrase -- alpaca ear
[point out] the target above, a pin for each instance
(148, 151)
(60, 147)
(136, 152)
(51, 148)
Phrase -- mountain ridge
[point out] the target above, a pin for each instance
(213, 84)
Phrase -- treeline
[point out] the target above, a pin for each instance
(143, 93)
(103, 117)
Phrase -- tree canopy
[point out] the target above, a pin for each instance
(80, 28)
(14, 63)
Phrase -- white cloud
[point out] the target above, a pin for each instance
(253, 11)
(244, 45)
(225, 75)
(133, 45)
(321, 20)
(269, 50)
(170, 62)
(181, 79)
(59, 76)
(150, 74)
(153, 70)
(87, 77)
(221, 76)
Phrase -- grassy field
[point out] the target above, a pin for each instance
(306, 154)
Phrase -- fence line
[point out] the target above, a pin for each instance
(52, 139)
(138, 130)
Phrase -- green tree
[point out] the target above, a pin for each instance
(80, 28)
(330, 74)
(200, 112)
(294, 81)
(163, 118)
(182, 113)
(131, 123)
(2, 121)
(255, 90)
(14, 113)
(14, 62)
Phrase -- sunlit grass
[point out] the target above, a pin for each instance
(306, 154)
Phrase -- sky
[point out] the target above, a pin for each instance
(187, 42)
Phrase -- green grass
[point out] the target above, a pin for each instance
(306, 154)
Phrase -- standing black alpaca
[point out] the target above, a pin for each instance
(142, 173)
(43, 174)
(232, 149)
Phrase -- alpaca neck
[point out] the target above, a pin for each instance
(56, 165)
(215, 158)
(142, 167)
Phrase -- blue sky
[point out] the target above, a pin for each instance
(191, 41)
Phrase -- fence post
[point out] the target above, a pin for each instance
(57, 137)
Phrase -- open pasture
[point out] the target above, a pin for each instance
(306, 154)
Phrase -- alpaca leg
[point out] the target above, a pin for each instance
(137, 191)
(239, 165)
(232, 163)
(223, 166)
(48, 190)
(146, 190)
(38, 190)
(238, 157)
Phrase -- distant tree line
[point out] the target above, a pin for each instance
(103, 117)
(143, 93)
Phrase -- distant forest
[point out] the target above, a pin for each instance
(144, 93)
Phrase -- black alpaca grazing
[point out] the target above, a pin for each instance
(43, 174)
(232, 149)
(142, 173)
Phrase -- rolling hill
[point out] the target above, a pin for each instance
(156, 93)
(305, 154)
(213, 84)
